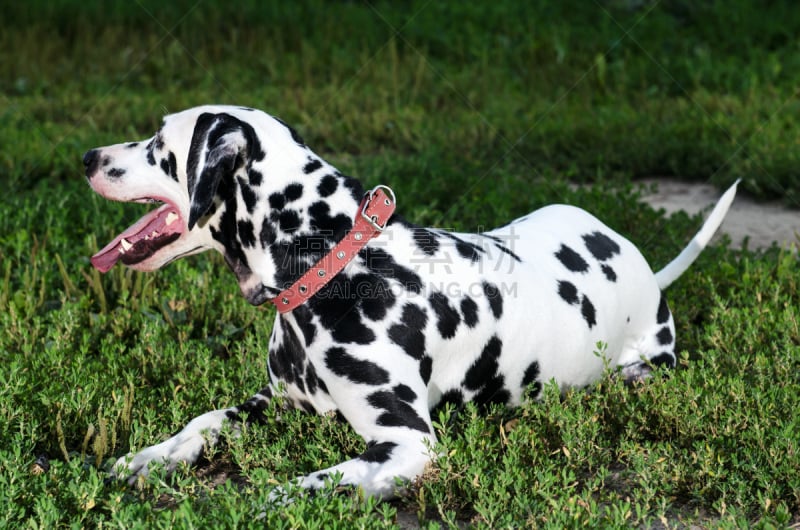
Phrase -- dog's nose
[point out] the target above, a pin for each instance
(90, 162)
(89, 157)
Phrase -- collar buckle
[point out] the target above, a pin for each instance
(389, 200)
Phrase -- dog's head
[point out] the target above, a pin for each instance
(202, 165)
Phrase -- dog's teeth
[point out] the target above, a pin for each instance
(126, 245)
(170, 218)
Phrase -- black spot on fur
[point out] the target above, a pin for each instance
(568, 292)
(115, 173)
(401, 336)
(663, 359)
(378, 453)
(321, 476)
(355, 370)
(397, 413)
(453, 396)
(508, 251)
(405, 393)
(336, 307)
(601, 246)
(267, 236)
(490, 236)
(255, 177)
(350, 329)
(253, 407)
(131, 145)
(571, 259)
(414, 317)
(248, 194)
(312, 381)
(493, 392)
(322, 222)
(531, 373)
(465, 249)
(484, 366)
(663, 311)
(293, 192)
(169, 166)
(408, 334)
(173, 166)
(375, 295)
(470, 311)
(664, 336)
(246, 234)
(425, 240)
(447, 318)
(495, 298)
(293, 257)
(277, 201)
(469, 251)
(530, 377)
(306, 406)
(287, 360)
(588, 312)
(611, 275)
(289, 221)
(304, 319)
(426, 368)
(380, 262)
(312, 165)
(484, 377)
(327, 186)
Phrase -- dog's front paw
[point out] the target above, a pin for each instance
(186, 447)
(167, 454)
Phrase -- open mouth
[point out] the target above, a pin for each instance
(147, 236)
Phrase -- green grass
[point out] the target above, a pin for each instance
(504, 106)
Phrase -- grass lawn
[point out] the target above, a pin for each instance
(475, 113)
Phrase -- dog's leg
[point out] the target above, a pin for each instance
(655, 348)
(395, 423)
(202, 433)
(381, 470)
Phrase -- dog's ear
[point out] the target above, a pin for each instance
(220, 144)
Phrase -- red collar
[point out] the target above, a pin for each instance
(376, 208)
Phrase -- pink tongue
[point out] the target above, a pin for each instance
(155, 221)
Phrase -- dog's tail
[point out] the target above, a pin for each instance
(678, 266)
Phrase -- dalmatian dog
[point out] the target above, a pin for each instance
(411, 319)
